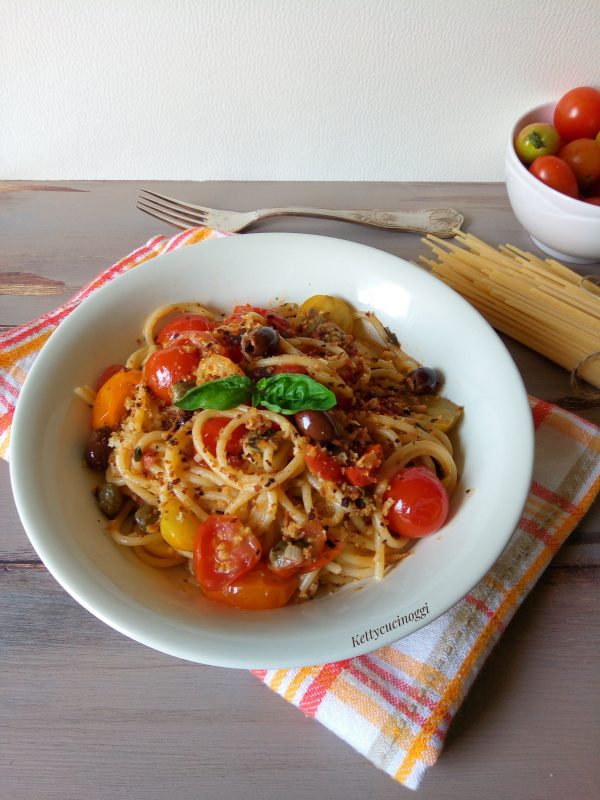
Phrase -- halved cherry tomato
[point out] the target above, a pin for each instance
(224, 551)
(577, 113)
(217, 343)
(595, 201)
(556, 174)
(165, 367)
(107, 373)
(273, 319)
(176, 329)
(109, 404)
(292, 369)
(311, 538)
(364, 473)
(328, 554)
(210, 434)
(322, 464)
(420, 503)
(257, 590)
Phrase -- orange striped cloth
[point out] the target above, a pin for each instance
(395, 704)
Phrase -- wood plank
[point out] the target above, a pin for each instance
(79, 233)
(88, 713)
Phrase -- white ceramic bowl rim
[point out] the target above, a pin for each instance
(438, 325)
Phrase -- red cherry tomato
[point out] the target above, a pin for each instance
(328, 554)
(577, 114)
(583, 156)
(258, 589)
(216, 343)
(292, 369)
(313, 539)
(223, 551)
(210, 433)
(177, 328)
(273, 319)
(595, 201)
(420, 503)
(365, 472)
(165, 367)
(322, 464)
(106, 374)
(556, 174)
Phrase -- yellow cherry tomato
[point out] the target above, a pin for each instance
(178, 526)
(109, 405)
(332, 308)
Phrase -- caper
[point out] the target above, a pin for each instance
(260, 342)
(97, 449)
(423, 380)
(317, 425)
(110, 499)
(146, 515)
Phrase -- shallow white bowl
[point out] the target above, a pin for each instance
(52, 487)
(563, 227)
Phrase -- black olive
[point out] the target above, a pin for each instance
(423, 380)
(146, 515)
(260, 342)
(97, 449)
(317, 425)
(110, 500)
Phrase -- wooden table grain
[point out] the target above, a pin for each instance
(87, 714)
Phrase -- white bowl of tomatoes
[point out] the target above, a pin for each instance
(553, 175)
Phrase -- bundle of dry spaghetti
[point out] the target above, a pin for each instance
(541, 303)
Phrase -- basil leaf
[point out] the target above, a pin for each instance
(291, 392)
(220, 394)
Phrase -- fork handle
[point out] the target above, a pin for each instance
(441, 221)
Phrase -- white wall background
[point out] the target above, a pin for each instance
(280, 89)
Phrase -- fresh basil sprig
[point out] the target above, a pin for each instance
(285, 394)
(291, 392)
(220, 394)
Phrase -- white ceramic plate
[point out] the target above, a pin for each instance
(433, 323)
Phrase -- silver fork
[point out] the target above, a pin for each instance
(443, 222)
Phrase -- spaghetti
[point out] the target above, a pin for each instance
(270, 506)
(540, 303)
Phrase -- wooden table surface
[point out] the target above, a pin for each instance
(87, 713)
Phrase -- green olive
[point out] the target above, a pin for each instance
(110, 500)
(146, 515)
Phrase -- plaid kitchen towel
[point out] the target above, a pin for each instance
(395, 704)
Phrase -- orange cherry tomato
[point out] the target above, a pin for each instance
(223, 551)
(257, 590)
(175, 331)
(163, 368)
(322, 464)
(420, 503)
(109, 405)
